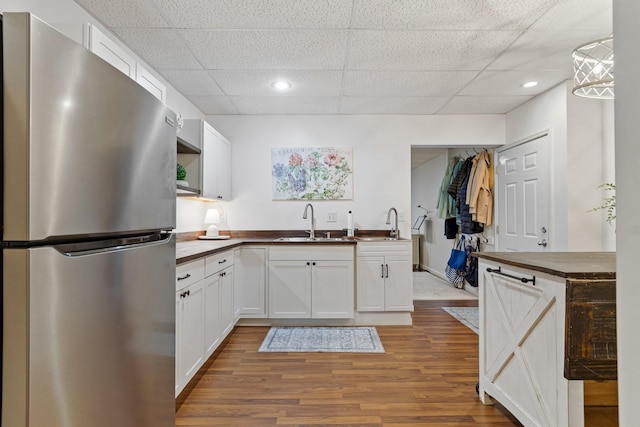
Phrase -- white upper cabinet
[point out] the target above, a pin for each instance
(100, 44)
(206, 155)
(150, 83)
(111, 52)
(216, 165)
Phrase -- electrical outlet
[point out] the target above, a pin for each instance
(400, 216)
(332, 217)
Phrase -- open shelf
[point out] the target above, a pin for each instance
(184, 191)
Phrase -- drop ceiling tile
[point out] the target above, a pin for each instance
(447, 14)
(268, 49)
(543, 50)
(405, 83)
(483, 104)
(160, 48)
(508, 83)
(391, 104)
(426, 50)
(256, 14)
(213, 104)
(578, 15)
(258, 82)
(286, 104)
(192, 82)
(125, 13)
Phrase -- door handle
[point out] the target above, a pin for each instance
(186, 276)
(387, 275)
(382, 271)
(542, 243)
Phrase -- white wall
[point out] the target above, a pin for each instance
(626, 15)
(576, 128)
(381, 163)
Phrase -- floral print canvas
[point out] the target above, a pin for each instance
(312, 173)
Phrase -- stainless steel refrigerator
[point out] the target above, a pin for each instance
(88, 257)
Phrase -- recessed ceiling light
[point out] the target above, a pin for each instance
(530, 84)
(281, 85)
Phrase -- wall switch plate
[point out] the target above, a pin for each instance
(400, 216)
(490, 241)
(332, 217)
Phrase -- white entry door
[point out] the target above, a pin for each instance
(523, 184)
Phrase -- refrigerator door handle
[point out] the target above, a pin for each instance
(78, 250)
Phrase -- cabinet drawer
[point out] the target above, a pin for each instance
(218, 262)
(310, 253)
(383, 248)
(189, 273)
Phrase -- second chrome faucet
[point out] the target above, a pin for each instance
(312, 232)
(394, 233)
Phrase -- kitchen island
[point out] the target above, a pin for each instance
(547, 323)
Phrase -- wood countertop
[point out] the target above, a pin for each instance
(572, 265)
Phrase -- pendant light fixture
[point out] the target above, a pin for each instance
(593, 69)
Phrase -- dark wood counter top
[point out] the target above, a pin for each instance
(573, 265)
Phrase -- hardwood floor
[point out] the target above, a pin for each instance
(426, 377)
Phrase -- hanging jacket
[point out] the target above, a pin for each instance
(446, 204)
(480, 189)
(467, 224)
(457, 180)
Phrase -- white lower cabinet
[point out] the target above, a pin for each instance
(384, 276)
(204, 312)
(311, 282)
(250, 278)
(522, 347)
(190, 315)
(219, 272)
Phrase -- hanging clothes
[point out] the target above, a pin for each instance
(446, 203)
(467, 224)
(458, 178)
(480, 189)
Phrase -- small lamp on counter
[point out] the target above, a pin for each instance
(212, 217)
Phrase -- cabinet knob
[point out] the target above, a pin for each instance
(308, 263)
(314, 263)
(188, 293)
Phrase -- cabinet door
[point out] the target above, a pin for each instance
(398, 292)
(223, 168)
(191, 330)
(332, 290)
(211, 314)
(209, 164)
(522, 347)
(148, 81)
(370, 283)
(290, 289)
(179, 384)
(111, 52)
(227, 319)
(250, 282)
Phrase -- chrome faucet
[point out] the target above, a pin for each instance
(312, 232)
(394, 233)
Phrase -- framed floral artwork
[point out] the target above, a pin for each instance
(312, 173)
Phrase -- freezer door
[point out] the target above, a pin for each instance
(89, 338)
(87, 151)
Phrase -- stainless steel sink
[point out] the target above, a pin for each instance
(309, 239)
(379, 239)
